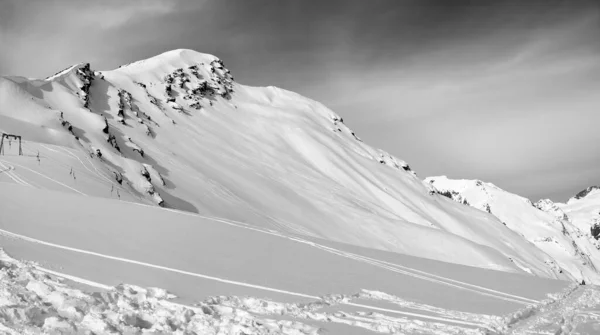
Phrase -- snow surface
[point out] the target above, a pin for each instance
(34, 299)
(320, 283)
(271, 203)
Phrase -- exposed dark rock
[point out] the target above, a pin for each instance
(86, 75)
(452, 195)
(595, 229)
(146, 174)
(488, 208)
(585, 192)
(118, 177)
(113, 141)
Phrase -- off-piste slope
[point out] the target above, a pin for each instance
(177, 131)
(560, 230)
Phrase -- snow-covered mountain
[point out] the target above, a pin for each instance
(166, 172)
(176, 130)
(584, 208)
(560, 230)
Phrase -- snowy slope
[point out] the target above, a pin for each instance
(321, 284)
(545, 224)
(176, 130)
(584, 208)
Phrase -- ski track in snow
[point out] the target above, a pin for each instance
(96, 172)
(43, 175)
(65, 152)
(9, 171)
(107, 287)
(222, 280)
(382, 264)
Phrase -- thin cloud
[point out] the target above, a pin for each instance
(112, 14)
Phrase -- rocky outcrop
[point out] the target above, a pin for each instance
(389, 160)
(153, 174)
(454, 196)
(118, 177)
(131, 144)
(450, 194)
(196, 89)
(86, 76)
(112, 140)
(549, 206)
(66, 124)
(153, 99)
(595, 227)
(585, 192)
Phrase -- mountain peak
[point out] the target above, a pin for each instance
(586, 192)
(73, 68)
(169, 60)
(459, 184)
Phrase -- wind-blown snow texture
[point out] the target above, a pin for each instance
(177, 131)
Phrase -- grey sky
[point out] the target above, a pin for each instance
(503, 91)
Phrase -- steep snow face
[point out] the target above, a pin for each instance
(584, 208)
(588, 191)
(177, 131)
(548, 226)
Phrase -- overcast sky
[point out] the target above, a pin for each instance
(503, 91)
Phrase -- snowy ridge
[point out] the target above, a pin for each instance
(583, 210)
(66, 71)
(588, 191)
(545, 224)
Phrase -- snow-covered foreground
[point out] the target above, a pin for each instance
(240, 279)
(34, 299)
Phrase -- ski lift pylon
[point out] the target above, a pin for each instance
(10, 137)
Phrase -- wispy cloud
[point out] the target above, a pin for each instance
(68, 31)
(112, 14)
